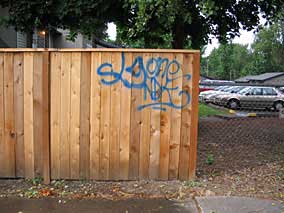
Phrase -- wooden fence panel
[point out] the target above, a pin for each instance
(115, 114)
(2, 126)
(19, 113)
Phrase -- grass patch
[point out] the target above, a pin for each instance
(205, 111)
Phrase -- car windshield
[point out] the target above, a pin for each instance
(238, 89)
(228, 89)
(219, 88)
(244, 91)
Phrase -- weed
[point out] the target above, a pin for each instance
(210, 159)
(31, 193)
(35, 181)
(192, 183)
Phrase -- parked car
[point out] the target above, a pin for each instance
(230, 90)
(253, 97)
(203, 95)
(281, 89)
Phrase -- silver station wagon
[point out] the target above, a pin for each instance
(253, 97)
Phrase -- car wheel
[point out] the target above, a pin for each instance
(278, 106)
(233, 104)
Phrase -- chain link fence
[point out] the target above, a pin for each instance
(245, 136)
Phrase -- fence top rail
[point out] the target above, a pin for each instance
(97, 50)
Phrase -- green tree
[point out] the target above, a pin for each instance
(89, 17)
(181, 23)
(144, 23)
(268, 49)
(227, 62)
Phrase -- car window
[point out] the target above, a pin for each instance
(269, 91)
(256, 91)
(245, 91)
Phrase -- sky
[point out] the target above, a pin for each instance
(246, 38)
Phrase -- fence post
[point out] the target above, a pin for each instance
(45, 111)
(194, 116)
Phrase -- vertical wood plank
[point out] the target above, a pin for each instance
(19, 113)
(144, 157)
(155, 130)
(165, 124)
(28, 115)
(45, 118)
(2, 126)
(194, 115)
(135, 123)
(115, 120)
(55, 109)
(38, 112)
(9, 136)
(175, 121)
(105, 124)
(125, 122)
(185, 122)
(95, 116)
(75, 115)
(85, 116)
(65, 116)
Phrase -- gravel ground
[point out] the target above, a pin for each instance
(235, 157)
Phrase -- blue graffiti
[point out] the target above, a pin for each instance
(155, 78)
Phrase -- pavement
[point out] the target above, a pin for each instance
(212, 204)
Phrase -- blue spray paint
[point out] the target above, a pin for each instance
(148, 77)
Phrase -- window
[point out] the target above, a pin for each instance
(256, 91)
(269, 91)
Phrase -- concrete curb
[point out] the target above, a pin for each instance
(227, 204)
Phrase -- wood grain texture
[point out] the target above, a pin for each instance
(115, 113)
(85, 116)
(75, 115)
(165, 122)
(175, 122)
(65, 115)
(2, 115)
(38, 112)
(105, 124)
(46, 119)
(155, 131)
(135, 126)
(95, 117)
(125, 123)
(55, 111)
(19, 113)
(9, 136)
(194, 115)
(185, 121)
(29, 115)
(97, 130)
(144, 155)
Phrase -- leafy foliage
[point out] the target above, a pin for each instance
(231, 61)
(144, 23)
(181, 23)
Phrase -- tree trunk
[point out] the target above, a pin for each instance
(178, 34)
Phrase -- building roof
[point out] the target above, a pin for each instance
(245, 79)
(267, 76)
(261, 77)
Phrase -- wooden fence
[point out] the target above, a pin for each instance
(103, 114)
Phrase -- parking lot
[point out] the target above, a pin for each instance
(245, 98)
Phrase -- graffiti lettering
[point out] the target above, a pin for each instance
(155, 77)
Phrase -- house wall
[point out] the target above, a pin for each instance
(62, 42)
(276, 81)
(7, 35)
